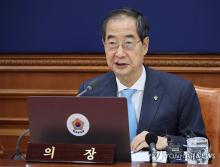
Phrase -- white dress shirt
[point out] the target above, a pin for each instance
(138, 95)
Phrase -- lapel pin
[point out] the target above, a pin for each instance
(156, 97)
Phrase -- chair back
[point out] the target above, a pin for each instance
(209, 99)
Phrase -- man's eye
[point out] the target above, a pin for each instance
(112, 43)
(128, 42)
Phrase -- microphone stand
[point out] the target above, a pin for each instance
(18, 154)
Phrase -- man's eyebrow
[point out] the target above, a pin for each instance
(130, 36)
(126, 36)
(110, 36)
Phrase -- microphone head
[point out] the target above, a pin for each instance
(93, 84)
(151, 138)
(189, 133)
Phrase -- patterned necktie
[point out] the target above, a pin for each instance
(131, 112)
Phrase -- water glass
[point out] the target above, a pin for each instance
(197, 150)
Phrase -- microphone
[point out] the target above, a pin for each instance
(90, 87)
(151, 140)
(189, 134)
(18, 154)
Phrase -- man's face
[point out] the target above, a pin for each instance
(125, 60)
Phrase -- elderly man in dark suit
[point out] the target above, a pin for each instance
(162, 103)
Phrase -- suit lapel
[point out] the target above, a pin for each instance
(151, 100)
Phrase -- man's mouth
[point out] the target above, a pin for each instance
(121, 64)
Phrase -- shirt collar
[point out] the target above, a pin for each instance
(138, 85)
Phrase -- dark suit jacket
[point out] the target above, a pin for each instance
(175, 111)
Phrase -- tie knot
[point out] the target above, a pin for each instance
(128, 93)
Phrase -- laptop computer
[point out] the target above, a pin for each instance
(80, 120)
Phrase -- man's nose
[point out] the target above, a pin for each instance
(120, 51)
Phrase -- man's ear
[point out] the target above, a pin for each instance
(145, 45)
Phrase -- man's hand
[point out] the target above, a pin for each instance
(139, 142)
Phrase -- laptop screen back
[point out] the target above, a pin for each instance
(80, 120)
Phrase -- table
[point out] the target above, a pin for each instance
(215, 163)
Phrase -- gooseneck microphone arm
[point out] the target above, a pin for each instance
(18, 154)
(90, 87)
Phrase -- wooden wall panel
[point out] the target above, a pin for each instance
(13, 107)
(27, 75)
(42, 80)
